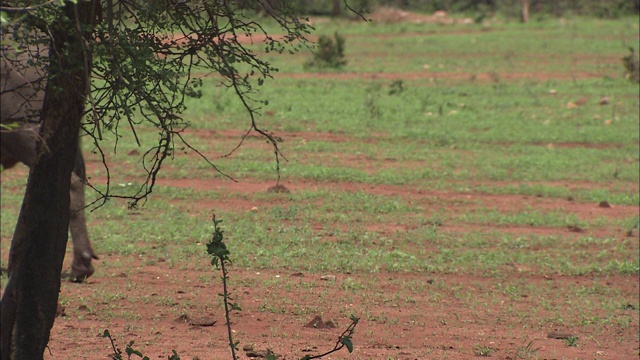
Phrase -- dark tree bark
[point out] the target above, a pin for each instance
(38, 247)
(336, 10)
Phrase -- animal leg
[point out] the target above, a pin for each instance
(81, 267)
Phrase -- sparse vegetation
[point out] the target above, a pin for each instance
(482, 350)
(631, 67)
(329, 53)
(527, 352)
(571, 341)
(129, 350)
(476, 200)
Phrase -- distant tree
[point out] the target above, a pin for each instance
(110, 66)
(336, 9)
(524, 17)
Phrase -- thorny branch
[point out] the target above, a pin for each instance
(143, 55)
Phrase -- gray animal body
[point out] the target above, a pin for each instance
(21, 98)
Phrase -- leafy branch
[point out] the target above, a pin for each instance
(344, 340)
(129, 350)
(143, 60)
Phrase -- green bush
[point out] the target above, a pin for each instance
(631, 67)
(329, 54)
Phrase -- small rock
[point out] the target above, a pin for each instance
(278, 189)
(574, 228)
(317, 323)
(560, 335)
(257, 354)
(202, 321)
(329, 324)
(604, 100)
(581, 101)
(328, 277)
(604, 204)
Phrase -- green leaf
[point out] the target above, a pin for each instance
(347, 342)
(4, 19)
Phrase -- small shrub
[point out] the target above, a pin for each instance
(571, 341)
(631, 68)
(129, 350)
(527, 352)
(330, 53)
(482, 350)
(396, 87)
(371, 106)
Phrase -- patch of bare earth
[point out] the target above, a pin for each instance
(176, 310)
(407, 316)
(394, 15)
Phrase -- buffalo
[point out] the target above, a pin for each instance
(21, 95)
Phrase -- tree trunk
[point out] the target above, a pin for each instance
(524, 15)
(40, 238)
(337, 8)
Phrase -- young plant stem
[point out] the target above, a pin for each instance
(225, 295)
(220, 255)
(343, 340)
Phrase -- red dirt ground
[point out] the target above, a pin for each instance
(438, 322)
(408, 316)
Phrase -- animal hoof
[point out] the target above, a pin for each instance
(80, 273)
(79, 278)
